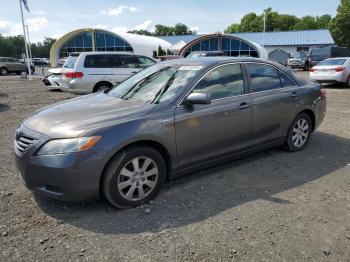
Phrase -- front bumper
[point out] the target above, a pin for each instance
(68, 177)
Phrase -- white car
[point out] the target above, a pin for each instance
(52, 78)
(98, 71)
(333, 70)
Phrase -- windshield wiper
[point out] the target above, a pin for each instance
(164, 88)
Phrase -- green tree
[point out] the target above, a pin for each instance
(306, 23)
(340, 24)
(13, 46)
(233, 28)
(141, 32)
(251, 23)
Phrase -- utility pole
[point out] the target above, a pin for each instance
(25, 41)
(29, 44)
(264, 30)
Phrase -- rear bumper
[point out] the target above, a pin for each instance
(77, 86)
(329, 78)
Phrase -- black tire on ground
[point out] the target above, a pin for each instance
(102, 86)
(347, 84)
(3, 71)
(113, 177)
(299, 130)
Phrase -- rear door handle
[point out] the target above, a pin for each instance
(243, 106)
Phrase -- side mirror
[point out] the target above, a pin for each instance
(197, 99)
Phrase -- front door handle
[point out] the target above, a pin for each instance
(295, 95)
(243, 106)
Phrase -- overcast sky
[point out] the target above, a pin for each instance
(53, 18)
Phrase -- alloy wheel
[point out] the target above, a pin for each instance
(300, 132)
(138, 178)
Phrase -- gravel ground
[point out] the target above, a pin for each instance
(272, 206)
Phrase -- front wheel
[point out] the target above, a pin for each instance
(102, 86)
(299, 133)
(134, 177)
(3, 71)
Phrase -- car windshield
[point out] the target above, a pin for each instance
(156, 84)
(332, 62)
(70, 62)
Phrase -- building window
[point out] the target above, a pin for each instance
(230, 46)
(303, 49)
(103, 42)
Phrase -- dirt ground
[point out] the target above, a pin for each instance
(272, 206)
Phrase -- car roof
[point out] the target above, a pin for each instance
(212, 60)
(107, 53)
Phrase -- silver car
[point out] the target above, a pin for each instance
(98, 71)
(333, 70)
(168, 120)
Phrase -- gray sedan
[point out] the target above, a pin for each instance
(170, 119)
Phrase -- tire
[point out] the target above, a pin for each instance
(3, 71)
(122, 185)
(347, 84)
(299, 133)
(102, 86)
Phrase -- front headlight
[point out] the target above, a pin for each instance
(68, 145)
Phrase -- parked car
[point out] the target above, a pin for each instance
(52, 78)
(318, 54)
(334, 70)
(170, 119)
(205, 54)
(13, 65)
(98, 71)
(61, 61)
(41, 61)
(301, 61)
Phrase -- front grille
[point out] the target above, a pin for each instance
(23, 144)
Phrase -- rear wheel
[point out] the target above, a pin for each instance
(133, 177)
(3, 71)
(102, 86)
(347, 84)
(299, 133)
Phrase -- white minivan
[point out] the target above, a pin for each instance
(98, 71)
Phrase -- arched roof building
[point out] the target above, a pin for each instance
(89, 39)
(229, 44)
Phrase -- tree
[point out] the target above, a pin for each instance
(13, 46)
(141, 32)
(178, 29)
(233, 28)
(340, 24)
(252, 22)
(306, 23)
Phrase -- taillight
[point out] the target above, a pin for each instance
(74, 74)
(323, 92)
(339, 69)
(312, 69)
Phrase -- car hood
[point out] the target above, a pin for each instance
(73, 117)
(295, 60)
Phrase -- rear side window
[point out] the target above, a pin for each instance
(332, 62)
(263, 77)
(98, 61)
(223, 81)
(145, 61)
(325, 51)
(110, 61)
(286, 81)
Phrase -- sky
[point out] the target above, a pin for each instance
(53, 18)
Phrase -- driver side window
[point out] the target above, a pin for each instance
(224, 81)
